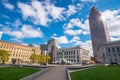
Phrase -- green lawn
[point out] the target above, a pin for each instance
(15, 73)
(99, 73)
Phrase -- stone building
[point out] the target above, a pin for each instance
(49, 47)
(110, 52)
(71, 55)
(19, 53)
(99, 32)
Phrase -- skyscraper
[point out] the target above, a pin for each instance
(98, 29)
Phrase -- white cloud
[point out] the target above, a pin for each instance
(54, 35)
(112, 18)
(41, 16)
(17, 23)
(41, 12)
(115, 38)
(44, 12)
(25, 32)
(77, 22)
(88, 0)
(27, 10)
(76, 40)
(62, 40)
(73, 32)
(82, 28)
(58, 46)
(1, 35)
(86, 32)
(8, 5)
(55, 12)
(72, 9)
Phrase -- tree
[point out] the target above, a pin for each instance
(4, 56)
(34, 58)
(40, 58)
(44, 58)
(48, 58)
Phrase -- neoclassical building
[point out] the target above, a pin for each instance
(110, 52)
(76, 55)
(18, 52)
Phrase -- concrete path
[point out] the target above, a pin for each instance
(57, 73)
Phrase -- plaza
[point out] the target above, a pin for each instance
(59, 40)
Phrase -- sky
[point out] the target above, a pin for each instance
(37, 21)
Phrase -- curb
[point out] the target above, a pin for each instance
(35, 75)
(68, 74)
(76, 69)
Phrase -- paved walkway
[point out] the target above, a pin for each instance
(57, 73)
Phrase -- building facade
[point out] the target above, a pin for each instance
(19, 53)
(71, 55)
(110, 52)
(49, 48)
(98, 29)
(44, 48)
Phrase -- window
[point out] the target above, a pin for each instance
(108, 49)
(113, 49)
(65, 53)
(118, 49)
(119, 54)
(77, 51)
(74, 51)
(74, 60)
(110, 54)
(114, 54)
(71, 60)
(115, 60)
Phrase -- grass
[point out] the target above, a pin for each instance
(99, 73)
(15, 73)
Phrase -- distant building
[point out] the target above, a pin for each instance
(98, 29)
(110, 52)
(49, 47)
(71, 55)
(44, 49)
(19, 53)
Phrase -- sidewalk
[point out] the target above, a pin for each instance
(57, 73)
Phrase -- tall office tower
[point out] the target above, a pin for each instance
(98, 29)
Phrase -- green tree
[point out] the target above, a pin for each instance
(44, 58)
(48, 58)
(40, 58)
(34, 58)
(4, 56)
